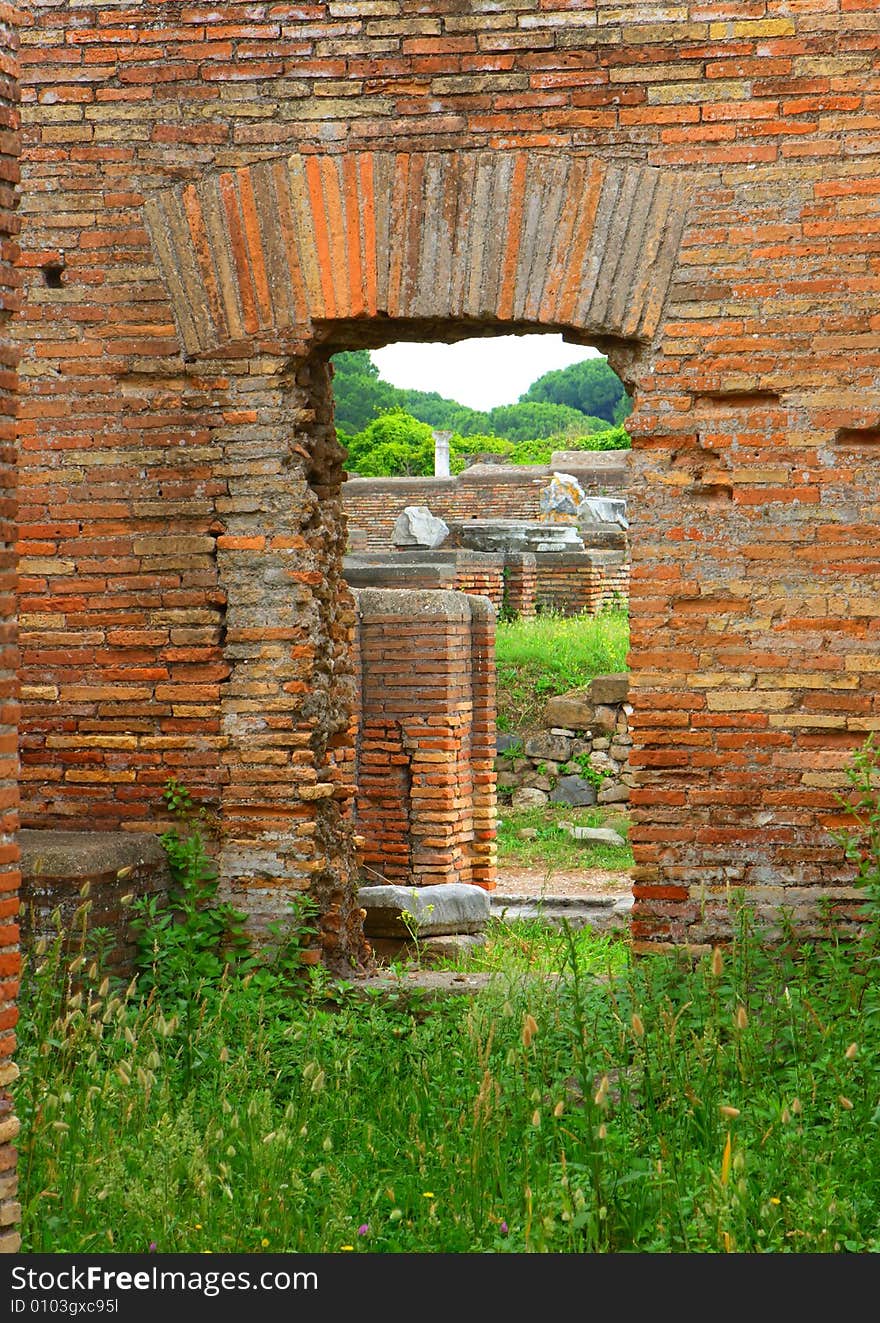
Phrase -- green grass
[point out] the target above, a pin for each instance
(617, 1105)
(553, 848)
(550, 654)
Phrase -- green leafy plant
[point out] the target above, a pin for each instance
(589, 772)
(551, 654)
(861, 838)
(413, 925)
(189, 938)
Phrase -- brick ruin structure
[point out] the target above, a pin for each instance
(216, 199)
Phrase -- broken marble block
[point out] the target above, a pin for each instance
(563, 495)
(417, 527)
(602, 510)
(450, 907)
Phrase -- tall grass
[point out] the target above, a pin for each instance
(550, 654)
(615, 1105)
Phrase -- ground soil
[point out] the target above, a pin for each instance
(514, 881)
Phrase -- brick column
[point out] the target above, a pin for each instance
(568, 582)
(425, 798)
(522, 582)
(485, 778)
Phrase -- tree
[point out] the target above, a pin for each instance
(447, 415)
(393, 445)
(535, 419)
(359, 393)
(590, 386)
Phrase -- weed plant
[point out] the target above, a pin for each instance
(586, 1101)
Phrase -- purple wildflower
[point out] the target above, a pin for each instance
(364, 1229)
(152, 1247)
(503, 1228)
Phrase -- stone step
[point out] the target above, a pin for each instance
(604, 913)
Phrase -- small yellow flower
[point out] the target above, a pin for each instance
(198, 1226)
(774, 1200)
(264, 1242)
(427, 1194)
(346, 1247)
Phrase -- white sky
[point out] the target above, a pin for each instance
(480, 373)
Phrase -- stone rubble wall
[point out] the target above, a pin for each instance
(580, 757)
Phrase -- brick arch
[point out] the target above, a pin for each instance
(502, 238)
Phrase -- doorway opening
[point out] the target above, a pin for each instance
(464, 461)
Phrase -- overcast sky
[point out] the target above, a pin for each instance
(479, 373)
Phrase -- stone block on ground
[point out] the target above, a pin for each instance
(573, 710)
(451, 907)
(609, 688)
(529, 797)
(574, 790)
(597, 835)
(417, 527)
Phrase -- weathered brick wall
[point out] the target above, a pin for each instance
(521, 584)
(9, 854)
(571, 582)
(485, 491)
(426, 737)
(209, 213)
(567, 582)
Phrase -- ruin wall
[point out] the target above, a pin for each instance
(217, 199)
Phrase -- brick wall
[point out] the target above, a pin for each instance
(571, 582)
(9, 853)
(217, 199)
(426, 737)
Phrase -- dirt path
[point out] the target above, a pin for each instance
(549, 882)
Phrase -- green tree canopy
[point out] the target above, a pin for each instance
(388, 431)
(535, 419)
(359, 393)
(393, 445)
(590, 386)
